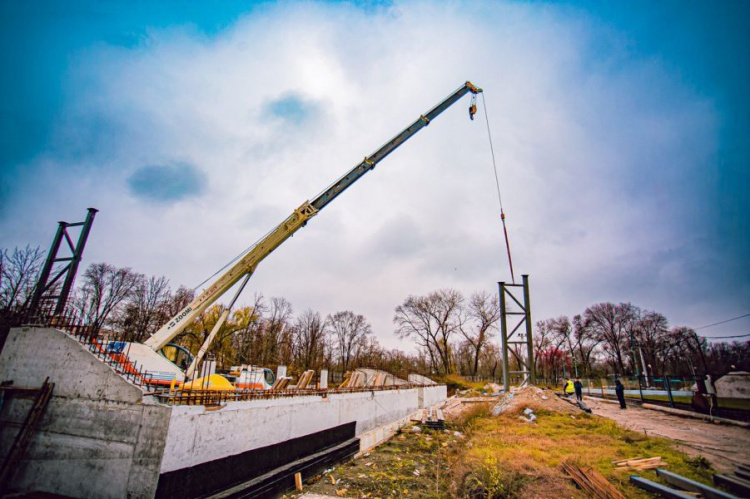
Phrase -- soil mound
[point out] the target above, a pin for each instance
(536, 398)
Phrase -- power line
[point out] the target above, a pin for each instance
(722, 322)
(724, 337)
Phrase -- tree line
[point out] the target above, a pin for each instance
(627, 340)
(452, 333)
(129, 306)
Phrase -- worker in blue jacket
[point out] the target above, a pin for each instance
(620, 391)
(579, 389)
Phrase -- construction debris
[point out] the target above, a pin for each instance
(531, 396)
(647, 463)
(433, 419)
(591, 482)
(531, 416)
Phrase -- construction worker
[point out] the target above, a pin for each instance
(579, 389)
(620, 391)
(568, 389)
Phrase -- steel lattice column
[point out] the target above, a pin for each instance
(524, 312)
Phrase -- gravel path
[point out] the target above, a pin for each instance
(723, 445)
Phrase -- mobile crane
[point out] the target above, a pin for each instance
(246, 266)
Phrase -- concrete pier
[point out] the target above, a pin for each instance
(101, 436)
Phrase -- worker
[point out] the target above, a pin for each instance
(620, 391)
(568, 388)
(579, 389)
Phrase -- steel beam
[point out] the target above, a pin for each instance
(684, 483)
(658, 488)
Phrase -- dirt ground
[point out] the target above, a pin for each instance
(724, 445)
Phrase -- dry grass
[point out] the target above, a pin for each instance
(504, 457)
(537, 451)
(455, 383)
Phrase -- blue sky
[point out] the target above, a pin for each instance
(195, 127)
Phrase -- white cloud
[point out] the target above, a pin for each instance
(591, 150)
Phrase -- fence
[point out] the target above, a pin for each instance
(691, 393)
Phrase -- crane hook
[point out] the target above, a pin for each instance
(473, 107)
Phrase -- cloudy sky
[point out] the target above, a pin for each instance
(620, 131)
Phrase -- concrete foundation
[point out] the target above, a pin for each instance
(104, 437)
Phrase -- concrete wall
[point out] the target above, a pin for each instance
(197, 435)
(101, 437)
(98, 437)
(433, 395)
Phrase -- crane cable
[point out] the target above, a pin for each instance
(499, 196)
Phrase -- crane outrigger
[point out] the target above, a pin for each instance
(246, 266)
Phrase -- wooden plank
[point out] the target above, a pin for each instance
(590, 481)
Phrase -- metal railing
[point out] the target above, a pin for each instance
(220, 397)
(110, 349)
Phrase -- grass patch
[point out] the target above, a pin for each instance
(455, 383)
(488, 457)
(537, 451)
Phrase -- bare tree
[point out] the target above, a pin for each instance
(278, 332)
(19, 271)
(483, 314)
(611, 324)
(370, 353)
(431, 321)
(684, 344)
(178, 301)
(309, 335)
(490, 360)
(349, 331)
(145, 310)
(585, 343)
(104, 288)
(248, 340)
(651, 334)
(550, 338)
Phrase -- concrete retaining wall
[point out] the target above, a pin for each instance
(197, 435)
(97, 438)
(101, 437)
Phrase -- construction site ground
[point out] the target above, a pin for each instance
(511, 454)
(723, 445)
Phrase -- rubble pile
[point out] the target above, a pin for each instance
(531, 396)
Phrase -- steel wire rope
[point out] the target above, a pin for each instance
(240, 255)
(497, 184)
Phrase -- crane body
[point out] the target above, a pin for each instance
(247, 265)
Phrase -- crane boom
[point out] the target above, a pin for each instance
(249, 262)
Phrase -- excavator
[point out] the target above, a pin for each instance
(148, 356)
